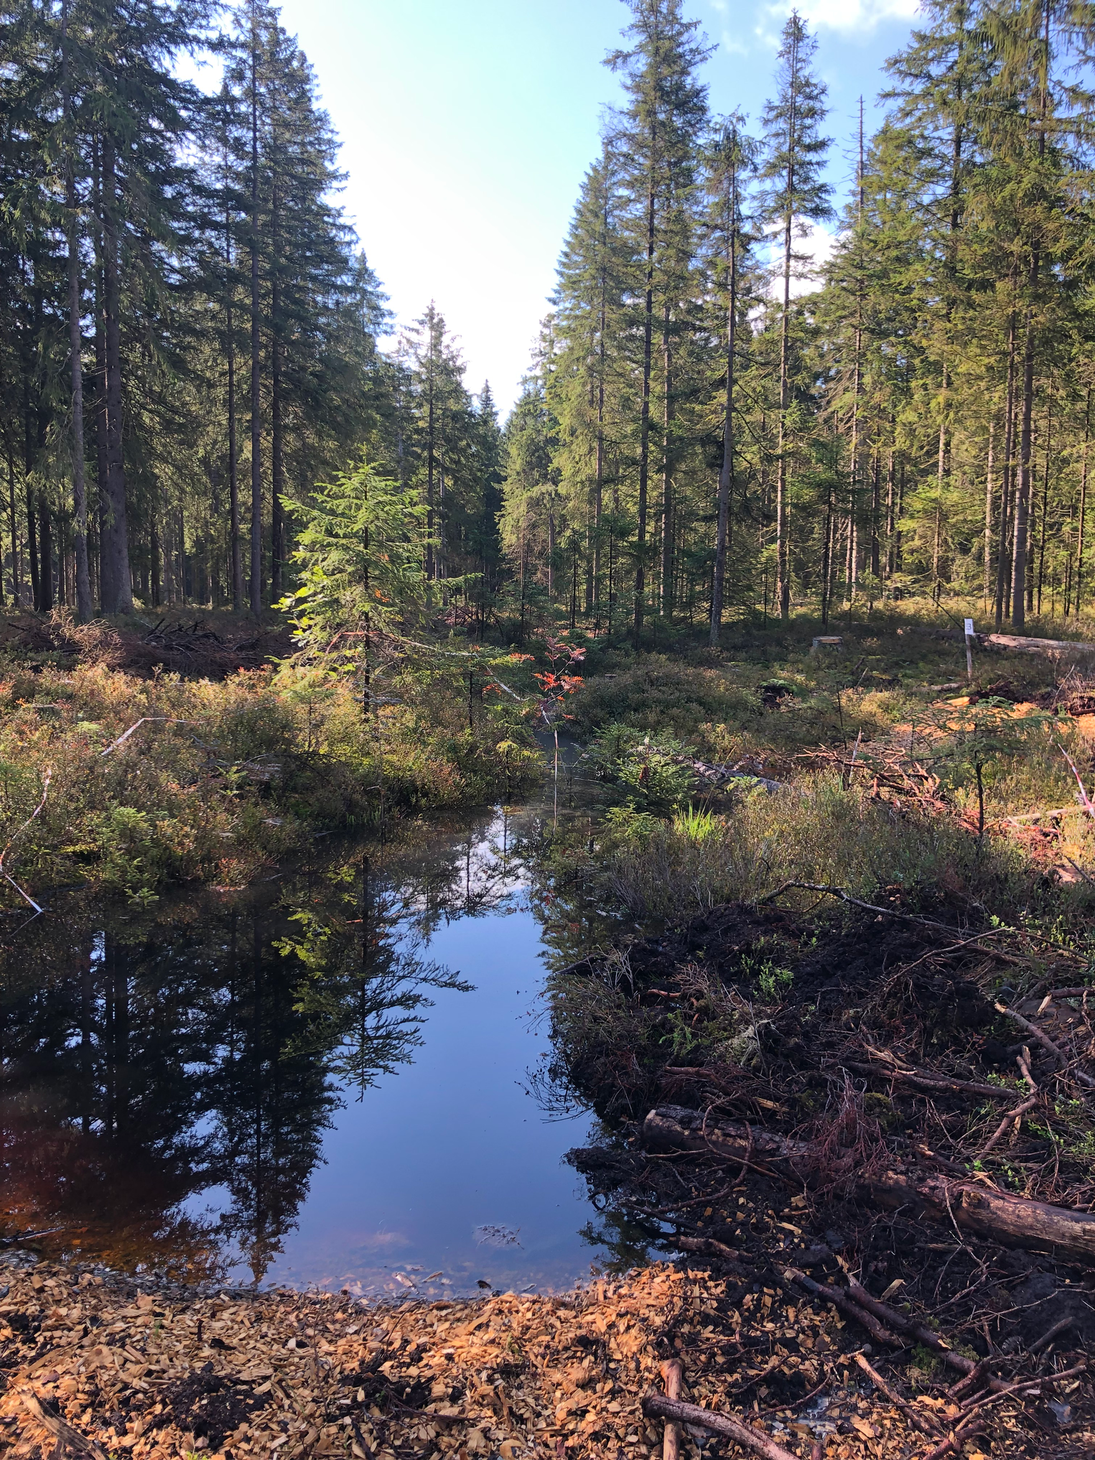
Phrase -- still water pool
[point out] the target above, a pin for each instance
(334, 1077)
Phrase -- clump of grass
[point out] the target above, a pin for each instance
(820, 832)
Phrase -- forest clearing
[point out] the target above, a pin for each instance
(549, 919)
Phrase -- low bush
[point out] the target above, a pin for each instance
(135, 782)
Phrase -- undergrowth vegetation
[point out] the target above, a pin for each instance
(134, 782)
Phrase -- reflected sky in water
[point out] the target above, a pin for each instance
(449, 1165)
(321, 1079)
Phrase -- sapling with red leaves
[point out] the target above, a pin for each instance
(557, 684)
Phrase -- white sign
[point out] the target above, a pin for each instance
(969, 628)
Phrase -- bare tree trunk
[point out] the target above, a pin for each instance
(75, 339)
(665, 594)
(990, 485)
(234, 556)
(45, 547)
(1003, 578)
(1022, 496)
(16, 583)
(1083, 505)
(116, 530)
(256, 346)
(644, 417)
(726, 471)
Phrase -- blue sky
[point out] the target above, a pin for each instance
(467, 126)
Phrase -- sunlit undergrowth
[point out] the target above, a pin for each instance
(225, 777)
(817, 832)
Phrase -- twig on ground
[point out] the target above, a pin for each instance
(144, 720)
(1084, 797)
(847, 1305)
(918, 1421)
(657, 1406)
(67, 1438)
(1047, 1044)
(16, 834)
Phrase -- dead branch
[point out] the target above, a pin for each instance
(919, 1421)
(67, 1438)
(1015, 1115)
(846, 1305)
(986, 1210)
(1047, 1044)
(16, 834)
(658, 1406)
(925, 1080)
(144, 720)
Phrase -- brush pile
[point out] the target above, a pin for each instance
(890, 1117)
(193, 648)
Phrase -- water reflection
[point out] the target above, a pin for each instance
(150, 1055)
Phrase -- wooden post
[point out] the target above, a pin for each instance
(969, 651)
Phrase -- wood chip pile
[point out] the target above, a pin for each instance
(94, 1366)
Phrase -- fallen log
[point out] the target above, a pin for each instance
(1014, 1220)
(1023, 645)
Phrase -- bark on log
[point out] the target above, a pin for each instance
(1013, 1220)
(1025, 645)
(657, 1406)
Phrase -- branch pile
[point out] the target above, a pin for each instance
(895, 1108)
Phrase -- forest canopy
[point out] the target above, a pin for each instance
(192, 342)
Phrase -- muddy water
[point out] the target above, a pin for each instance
(332, 1077)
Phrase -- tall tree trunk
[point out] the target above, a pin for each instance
(665, 593)
(117, 535)
(256, 344)
(16, 584)
(783, 579)
(990, 502)
(32, 550)
(783, 556)
(154, 553)
(644, 416)
(235, 560)
(1045, 511)
(277, 464)
(1080, 530)
(75, 338)
(726, 471)
(431, 467)
(45, 547)
(1022, 495)
(599, 465)
(106, 590)
(1007, 485)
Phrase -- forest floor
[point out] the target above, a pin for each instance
(99, 1366)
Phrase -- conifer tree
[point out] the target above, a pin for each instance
(655, 140)
(796, 194)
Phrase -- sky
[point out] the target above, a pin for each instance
(467, 126)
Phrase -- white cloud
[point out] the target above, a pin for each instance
(850, 16)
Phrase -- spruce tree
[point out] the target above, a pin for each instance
(796, 194)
